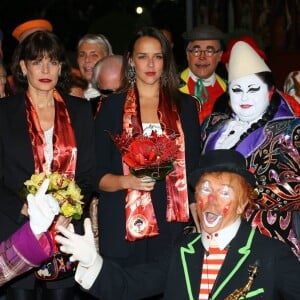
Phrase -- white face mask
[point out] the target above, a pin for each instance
(249, 97)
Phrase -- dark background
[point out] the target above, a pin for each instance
(274, 24)
(71, 19)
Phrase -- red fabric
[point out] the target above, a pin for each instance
(211, 267)
(214, 92)
(293, 103)
(99, 104)
(140, 217)
(249, 40)
(45, 244)
(64, 144)
(191, 85)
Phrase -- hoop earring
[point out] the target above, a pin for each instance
(131, 75)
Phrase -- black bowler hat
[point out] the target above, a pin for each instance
(222, 160)
(203, 32)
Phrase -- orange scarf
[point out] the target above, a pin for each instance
(64, 144)
(140, 217)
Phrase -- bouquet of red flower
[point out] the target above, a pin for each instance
(151, 155)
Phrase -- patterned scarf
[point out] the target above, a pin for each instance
(140, 217)
(64, 144)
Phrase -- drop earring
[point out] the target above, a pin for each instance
(163, 80)
(131, 75)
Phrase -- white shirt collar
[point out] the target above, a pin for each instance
(211, 80)
(222, 237)
(91, 92)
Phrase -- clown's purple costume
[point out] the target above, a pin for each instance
(271, 143)
(272, 152)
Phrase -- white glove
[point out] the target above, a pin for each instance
(81, 247)
(42, 209)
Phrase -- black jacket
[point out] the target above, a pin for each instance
(178, 274)
(17, 162)
(112, 204)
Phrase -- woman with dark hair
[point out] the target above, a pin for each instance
(264, 128)
(42, 130)
(140, 216)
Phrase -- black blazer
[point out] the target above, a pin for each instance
(178, 274)
(16, 158)
(112, 204)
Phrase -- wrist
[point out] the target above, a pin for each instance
(123, 181)
(91, 262)
(87, 276)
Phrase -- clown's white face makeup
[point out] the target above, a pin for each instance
(218, 202)
(249, 97)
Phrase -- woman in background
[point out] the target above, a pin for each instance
(90, 49)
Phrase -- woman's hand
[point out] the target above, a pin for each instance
(62, 221)
(145, 183)
(113, 183)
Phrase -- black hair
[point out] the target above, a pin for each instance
(35, 46)
(169, 74)
(268, 79)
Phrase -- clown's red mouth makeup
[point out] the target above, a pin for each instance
(211, 219)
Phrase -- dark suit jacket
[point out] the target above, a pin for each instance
(16, 158)
(178, 274)
(112, 204)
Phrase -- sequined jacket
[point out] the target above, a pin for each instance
(273, 154)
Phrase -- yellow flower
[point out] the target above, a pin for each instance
(69, 210)
(65, 191)
(58, 182)
(34, 182)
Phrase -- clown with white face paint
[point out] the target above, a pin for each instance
(264, 128)
(217, 200)
(249, 97)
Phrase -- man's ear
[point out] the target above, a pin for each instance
(241, 207)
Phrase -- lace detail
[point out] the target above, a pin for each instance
(148, 127)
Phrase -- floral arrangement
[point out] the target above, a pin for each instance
(151, 155)
(64, 190)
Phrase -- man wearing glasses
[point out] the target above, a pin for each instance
(203, 51)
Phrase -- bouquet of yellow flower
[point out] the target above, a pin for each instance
(65, 191)
(151, 155)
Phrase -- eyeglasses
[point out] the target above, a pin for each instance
(106, 92)
(207, 52)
